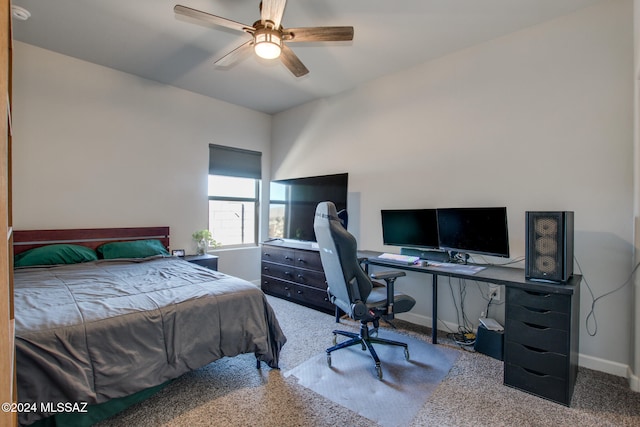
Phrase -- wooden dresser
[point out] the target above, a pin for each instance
(293, 271)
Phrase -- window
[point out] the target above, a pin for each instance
(234, 189)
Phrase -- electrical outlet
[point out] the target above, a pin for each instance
(494, 291)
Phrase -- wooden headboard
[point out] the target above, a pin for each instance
(91, 237)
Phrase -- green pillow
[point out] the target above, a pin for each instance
(55, 254)
(132, 249)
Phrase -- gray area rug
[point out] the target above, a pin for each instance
(352, 382)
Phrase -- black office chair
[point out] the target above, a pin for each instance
(350, 288)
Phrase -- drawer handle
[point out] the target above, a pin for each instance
(536, 373)
(537, 350)
(266, 254)
(288, 258)
(265, 268)
(538, 294)
(287, 273)
(531, 325)
(536, 310)
(299, 292)
(302, 260)
(286, 288)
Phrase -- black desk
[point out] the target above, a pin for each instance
(541, 326)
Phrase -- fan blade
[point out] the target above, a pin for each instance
(272, 10)
(318, 34)
(235, 55)
(211, 19)
(292, 62)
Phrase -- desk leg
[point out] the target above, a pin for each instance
(434, 309)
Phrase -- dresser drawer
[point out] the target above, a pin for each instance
(537, 360)
(311, 278)
(543, 385)
(539, 300)
(538, 316)
(540, 337)
(309, 260)
(277, 287)
(297, 293)
(281, 271)
(314, 296)
(278, 255)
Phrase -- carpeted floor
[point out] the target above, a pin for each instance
(232, 392)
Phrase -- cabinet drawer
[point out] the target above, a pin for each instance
(311, 278)
(538, 316)
(309, 260)
(278, 255)
(296, 293)
(281, 271)
(539, 337)
(539, 300)
(543, 385)
(314, 296)
(277, 287)
(544, 362)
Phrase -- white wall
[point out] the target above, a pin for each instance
(95, 147)
(635, 368)
(541, 119)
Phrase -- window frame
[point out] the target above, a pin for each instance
(256, 202)
(234, 162)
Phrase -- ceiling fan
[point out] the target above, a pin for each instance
(268, 37)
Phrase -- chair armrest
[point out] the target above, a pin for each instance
(389, 277)
(389, 274)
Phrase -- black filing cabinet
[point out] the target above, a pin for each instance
(541, 340)
(295, 274)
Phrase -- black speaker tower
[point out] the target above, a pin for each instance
(549, 246)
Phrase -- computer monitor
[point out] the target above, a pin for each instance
(477, 230)
(410, 228)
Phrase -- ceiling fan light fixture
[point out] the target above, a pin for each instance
(267, 43)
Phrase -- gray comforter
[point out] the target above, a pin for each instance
(95, 331)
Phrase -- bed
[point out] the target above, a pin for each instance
(96, 330)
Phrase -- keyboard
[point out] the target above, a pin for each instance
(398, 259)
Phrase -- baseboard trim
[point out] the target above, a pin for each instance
(634, 380)
(603, 365)
(419, 319)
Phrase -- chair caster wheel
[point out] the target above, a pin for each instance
(379, 371)
(406, 353)
(329, 359)
(335, 339)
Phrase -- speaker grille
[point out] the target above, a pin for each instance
(548, 246)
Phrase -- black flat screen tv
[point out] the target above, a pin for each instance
(477, 230)
(293, 202)
(410, 228)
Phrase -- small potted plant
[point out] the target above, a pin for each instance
(203, 239)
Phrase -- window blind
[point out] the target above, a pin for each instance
(231, 161)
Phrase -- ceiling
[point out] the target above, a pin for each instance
(145, 38)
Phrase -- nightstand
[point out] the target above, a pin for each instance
(206, 260)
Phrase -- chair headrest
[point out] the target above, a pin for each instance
(327, 210)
